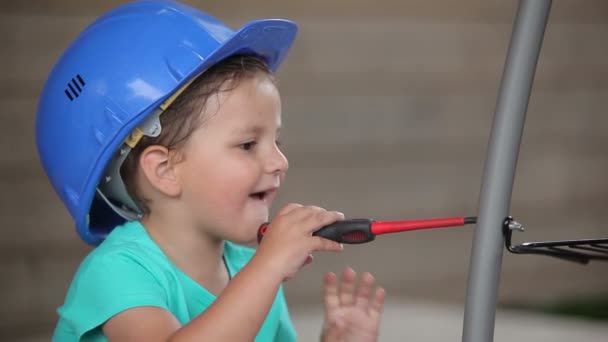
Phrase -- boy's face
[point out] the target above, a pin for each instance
(232, 166)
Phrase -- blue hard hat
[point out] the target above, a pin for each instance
(114, 80)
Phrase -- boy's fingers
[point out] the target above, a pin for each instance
(334, 320)
(307, 217)
(332, 302)
(338, 215)
(288, 208)
(325, 245)
(307, 261)
(325, 217)
(297, 215)
(347, 287)
(377, 304)
(364, 291)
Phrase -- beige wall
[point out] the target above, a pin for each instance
(387, 106)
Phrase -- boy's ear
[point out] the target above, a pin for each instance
(157, 166)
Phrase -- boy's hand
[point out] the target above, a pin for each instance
(352, 314)
(288, 242)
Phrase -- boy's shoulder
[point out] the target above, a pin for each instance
(128, 237)
(126, 244)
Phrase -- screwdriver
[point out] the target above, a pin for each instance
(357, 231)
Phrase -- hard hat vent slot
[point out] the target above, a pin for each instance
(75, 87)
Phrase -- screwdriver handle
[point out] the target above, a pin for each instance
(352, 231)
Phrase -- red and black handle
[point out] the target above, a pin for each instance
(356, 231)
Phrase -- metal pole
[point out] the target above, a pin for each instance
(499, 172)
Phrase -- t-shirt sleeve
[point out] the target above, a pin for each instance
(106, 285)
(285, 332)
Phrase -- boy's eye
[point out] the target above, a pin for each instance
(248, 146)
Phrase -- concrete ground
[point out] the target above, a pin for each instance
(408, 320)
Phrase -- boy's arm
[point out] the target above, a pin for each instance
(239, 311)
(236, 315)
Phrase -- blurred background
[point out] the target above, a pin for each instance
(388, 107)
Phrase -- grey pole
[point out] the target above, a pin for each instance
(501, 160)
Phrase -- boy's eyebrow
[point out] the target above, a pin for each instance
(256, 129)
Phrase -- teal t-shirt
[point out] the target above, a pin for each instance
(129, 270)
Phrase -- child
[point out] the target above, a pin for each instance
(158, 128)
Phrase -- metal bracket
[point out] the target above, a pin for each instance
(580, 251)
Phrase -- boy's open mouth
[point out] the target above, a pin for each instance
(259, 195)
(263, 195)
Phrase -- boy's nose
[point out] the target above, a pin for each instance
(277, 163)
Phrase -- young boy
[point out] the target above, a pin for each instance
(158, 128)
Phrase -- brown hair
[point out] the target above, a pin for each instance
(185, 114)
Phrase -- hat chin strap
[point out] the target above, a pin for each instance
(111, 188)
